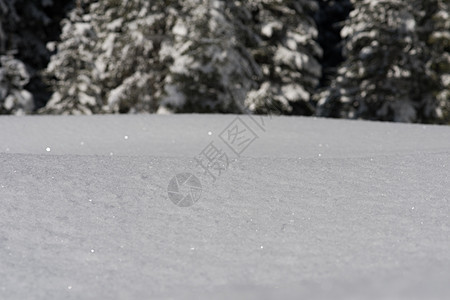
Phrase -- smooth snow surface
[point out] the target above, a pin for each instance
(312, 209)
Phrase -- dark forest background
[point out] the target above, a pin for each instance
(367, 59)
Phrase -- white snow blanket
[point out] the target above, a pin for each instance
(300, 208)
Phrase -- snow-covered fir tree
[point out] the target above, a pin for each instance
(14, 98)
(288, 54)
(385, 75)
(211, 70)
(436, 33)
(107, 60)
(25, 28)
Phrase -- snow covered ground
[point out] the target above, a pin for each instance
(311, 208)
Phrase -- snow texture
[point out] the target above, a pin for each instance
(312, 209)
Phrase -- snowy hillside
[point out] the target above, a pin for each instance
(310, 207)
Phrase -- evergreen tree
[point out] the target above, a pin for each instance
(14, 98)
(211, 70)
(436, 33)
(288, 54)
(385, 76)
(25, 28)
(107, 60)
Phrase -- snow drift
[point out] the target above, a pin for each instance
(312, 208)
